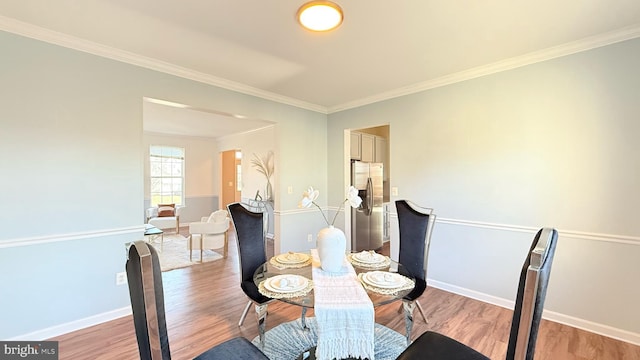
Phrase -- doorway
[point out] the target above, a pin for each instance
(231, 177)
(368, 148)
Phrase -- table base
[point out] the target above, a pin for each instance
(290, 341)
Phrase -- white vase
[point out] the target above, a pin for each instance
(332, 246)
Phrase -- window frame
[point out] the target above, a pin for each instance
(166, 169)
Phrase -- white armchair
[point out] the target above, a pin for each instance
(213, 233)
(163, 221)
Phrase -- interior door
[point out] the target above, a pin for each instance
(230, 173)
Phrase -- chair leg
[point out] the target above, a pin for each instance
(226, 244)
(408, 306)
(261, 315)
(201, 247)
(303, 318)
(190, 247)
(244, 313)
(421, 312)
(424, 317)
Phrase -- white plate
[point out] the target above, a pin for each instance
(368, 257)
(286, 283)
(292, 258)
(383, 279)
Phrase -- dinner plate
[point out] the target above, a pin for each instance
(292, 258)
(368, 257)
(286, 283)
(383, 279)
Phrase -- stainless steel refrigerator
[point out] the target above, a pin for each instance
(366, 220)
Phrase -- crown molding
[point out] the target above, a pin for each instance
(573, 47)
(53, 37)
(35, 32)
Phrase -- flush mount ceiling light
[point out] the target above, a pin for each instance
(320, 15)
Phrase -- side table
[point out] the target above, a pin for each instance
(151, 233)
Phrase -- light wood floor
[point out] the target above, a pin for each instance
(204, 303)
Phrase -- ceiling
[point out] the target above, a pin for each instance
(162, 117)
(382, 50)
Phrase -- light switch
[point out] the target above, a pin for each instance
(394, 191)
(290, 189)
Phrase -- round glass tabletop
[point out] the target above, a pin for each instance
(268, 270)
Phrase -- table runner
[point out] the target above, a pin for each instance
(344, 314)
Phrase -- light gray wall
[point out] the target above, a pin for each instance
(550, 144)
(72, 156)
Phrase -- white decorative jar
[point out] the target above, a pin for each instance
(332, 246)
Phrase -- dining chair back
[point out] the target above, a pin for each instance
(527, 313)
(532, 291)
(249, 230)
(144, 277)
(415, 225)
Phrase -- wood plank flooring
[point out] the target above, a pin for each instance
(204, 302)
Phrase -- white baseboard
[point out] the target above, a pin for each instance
(605, 330)
(75, 325)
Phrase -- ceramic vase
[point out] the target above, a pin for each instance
(332, 246)
(268, 193)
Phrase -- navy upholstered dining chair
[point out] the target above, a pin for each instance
(249, 227)
(147, 302)
(415, 225)
(527, 313)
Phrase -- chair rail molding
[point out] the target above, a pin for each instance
(71, 236)
(582, 235)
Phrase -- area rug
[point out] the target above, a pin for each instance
(288, 341)
(175, 253)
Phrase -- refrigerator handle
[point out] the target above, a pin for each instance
(369, 196)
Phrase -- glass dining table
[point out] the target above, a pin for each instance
(379, 296)
(268, 270)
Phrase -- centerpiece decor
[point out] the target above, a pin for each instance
(332, 242)
(264, 165)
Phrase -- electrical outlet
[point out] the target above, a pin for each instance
(309, 238)
(121, 278)
(394, 191)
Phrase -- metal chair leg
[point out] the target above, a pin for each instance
(424, 317)
(261, 315)
(244, 313)
(303, 318)
(408, 306)
(421, 312)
